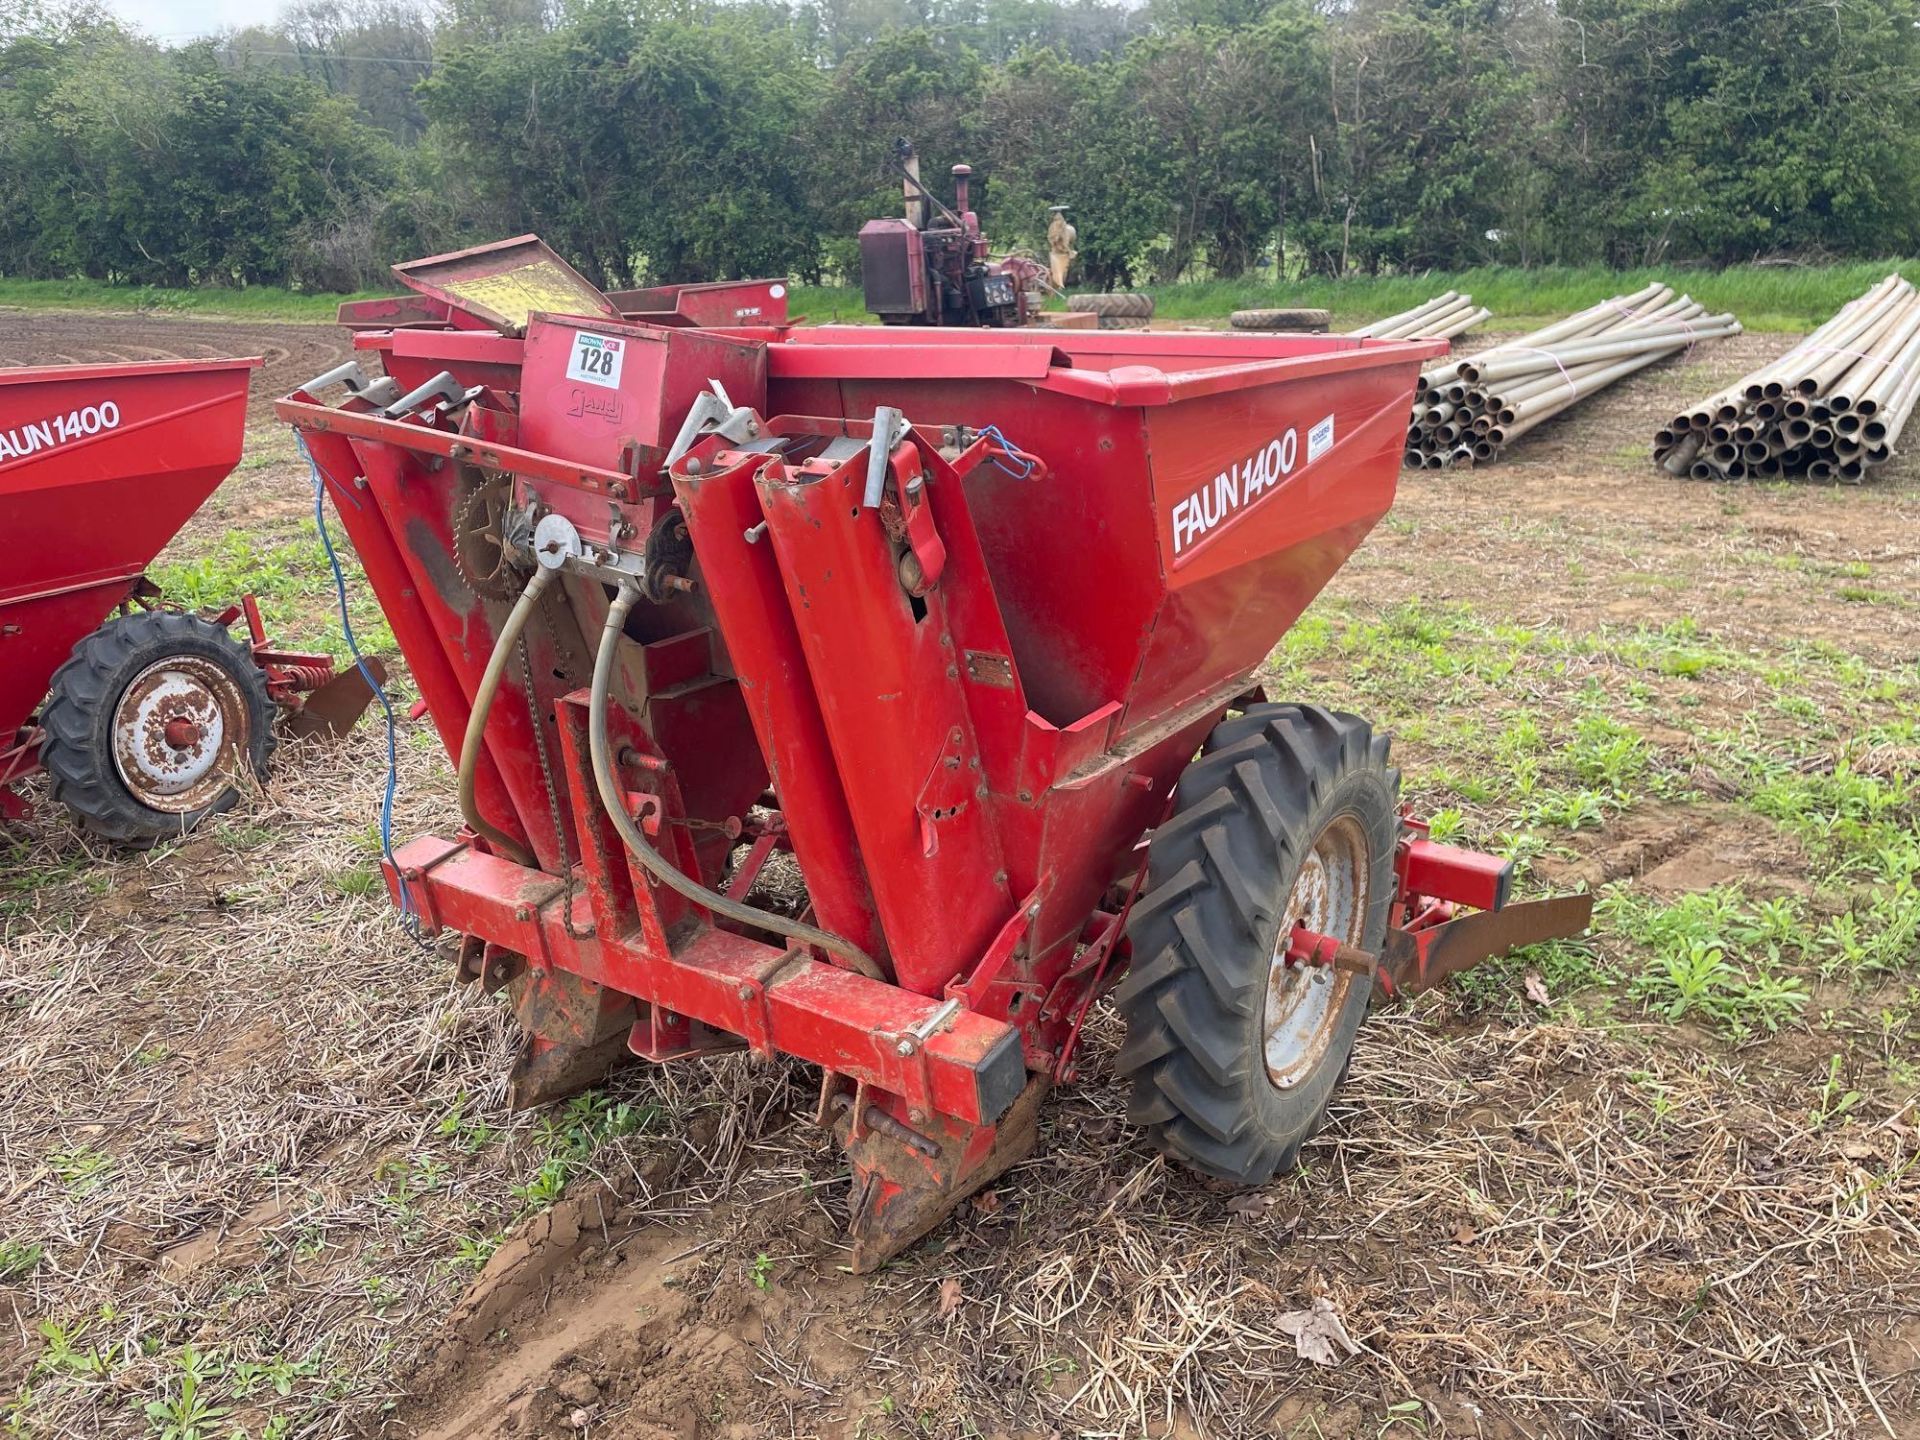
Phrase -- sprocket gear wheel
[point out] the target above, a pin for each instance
(479, 549)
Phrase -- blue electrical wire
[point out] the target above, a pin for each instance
(409, 914)
(1010, 450)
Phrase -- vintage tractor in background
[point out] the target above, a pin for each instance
(917, 270)
(971, 624)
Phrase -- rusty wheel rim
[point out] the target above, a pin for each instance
(1304, 1002)
(175, 730)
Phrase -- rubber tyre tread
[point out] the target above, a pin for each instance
(1114, 305)
(1299, 319)
(1246, 813)
(77, 752)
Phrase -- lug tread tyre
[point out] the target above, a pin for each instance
(1114, 305)
(77, 753)
(1247, 813)
(1297, 319)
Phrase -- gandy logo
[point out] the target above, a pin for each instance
(1234, 490)
(601, 407)
(56, 430)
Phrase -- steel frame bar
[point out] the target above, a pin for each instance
(775, 999)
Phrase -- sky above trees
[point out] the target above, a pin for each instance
(172, 20)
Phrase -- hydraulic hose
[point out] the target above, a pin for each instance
(470, 746)
(656, 864)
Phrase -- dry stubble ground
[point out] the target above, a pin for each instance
(256, 1175)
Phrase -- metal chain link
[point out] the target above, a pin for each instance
(553, 790)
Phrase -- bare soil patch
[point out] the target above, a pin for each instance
(294, 352)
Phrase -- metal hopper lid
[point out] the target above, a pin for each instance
(504, 283)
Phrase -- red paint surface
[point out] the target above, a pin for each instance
(82, 517)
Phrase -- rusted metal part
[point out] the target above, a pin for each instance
(17, 762)
(1304, 1003)
(562, 1006)
(335, 707)
(546, 1071)
(317, 701)
(179, 733)
(577, 1031)
(1304, 947)
(1417, 960)
(480, 550)
(901, 1192)
(874, 1118)
(1426, 956)
(660, 1035)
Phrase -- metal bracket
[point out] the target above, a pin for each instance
(889, 429)
(1414, 960)
(380, 391)
(945, 793)
(713, 413)
(1013, 938)
(442, 387)
(862, 1120)
(914, 1036)
(555, 543)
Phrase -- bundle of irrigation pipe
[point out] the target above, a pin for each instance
(1828, 409)
(1466, 412)
(1447, 316)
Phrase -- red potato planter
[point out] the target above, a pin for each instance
(948, 615)
(150, 715)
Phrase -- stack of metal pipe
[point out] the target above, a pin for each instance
(1447, 316)
(1466, 412)
(1828, 409)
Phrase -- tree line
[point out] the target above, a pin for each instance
(653, 140)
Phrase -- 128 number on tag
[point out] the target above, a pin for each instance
(596, 359)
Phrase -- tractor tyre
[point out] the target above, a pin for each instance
(1121, 322)
(1114, 306)
(150, 722)
(1289, 814)
(1299, 321)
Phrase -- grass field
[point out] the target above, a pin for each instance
(259, 302)
(1771, 298)
(260, 1177)
(1764, 297)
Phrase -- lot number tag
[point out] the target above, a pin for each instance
(596, 359)
(1320, 439)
